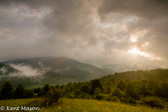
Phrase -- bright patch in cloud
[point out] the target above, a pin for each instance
(134, 37)
(136, 51)
(130, 19)
(146, 44)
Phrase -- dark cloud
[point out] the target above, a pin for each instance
(76, 28)
(152, 15)
(144, 8)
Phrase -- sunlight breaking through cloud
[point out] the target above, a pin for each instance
(136, 51)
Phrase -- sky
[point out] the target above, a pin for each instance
(93, 31)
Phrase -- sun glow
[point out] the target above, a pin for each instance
(136, 51)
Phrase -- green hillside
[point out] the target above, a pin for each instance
(159, 74)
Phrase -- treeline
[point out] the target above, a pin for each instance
(49, 94)
(8, 92)
(151, 92)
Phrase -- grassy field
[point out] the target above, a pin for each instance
(16, 102)
(82, 105)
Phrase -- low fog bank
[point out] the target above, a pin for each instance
(26, 70)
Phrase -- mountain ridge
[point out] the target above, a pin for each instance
(57, 70)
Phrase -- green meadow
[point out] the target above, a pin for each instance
(84, 105)
(16, 102)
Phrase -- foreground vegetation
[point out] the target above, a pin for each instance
(151, 92)
(83, 105)
(17, 102)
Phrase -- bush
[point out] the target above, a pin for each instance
(97, 93)
(115, 99)
(152, 101)
(53, 96)
(106, 90)
(118, 93)
(70, 95)
(130, 100)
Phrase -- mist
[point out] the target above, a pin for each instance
(26, 71)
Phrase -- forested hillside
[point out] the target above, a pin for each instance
(159, 74)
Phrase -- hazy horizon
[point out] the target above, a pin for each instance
(91, 31)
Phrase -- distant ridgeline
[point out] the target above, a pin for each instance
(158, 74)
(36, 72)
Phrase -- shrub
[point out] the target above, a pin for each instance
(130, 100)
(152, 101)
(118, 93)
(106, 90)
(115, 99)
(53, 96)
(97, 93)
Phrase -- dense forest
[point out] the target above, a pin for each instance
(137, 88)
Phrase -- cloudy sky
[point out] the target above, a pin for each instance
(93, 31)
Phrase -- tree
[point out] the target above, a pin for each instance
(97, 93)
(36, 90)
(106, 90)
(118, 93)
(46, 88)
(131, 92)
(121, 85)
(20, 92)
(53, 96)
(144, 90)
(95, 84)
(29, 93)
(162, 90)
(7, 91)
(85, 89)
(152, 101)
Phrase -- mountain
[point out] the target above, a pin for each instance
(113, 68)
(6, 69)
(39, 71)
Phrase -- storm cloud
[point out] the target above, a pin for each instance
(96, 32)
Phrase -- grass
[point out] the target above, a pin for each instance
(83, 105)
(16, 102)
